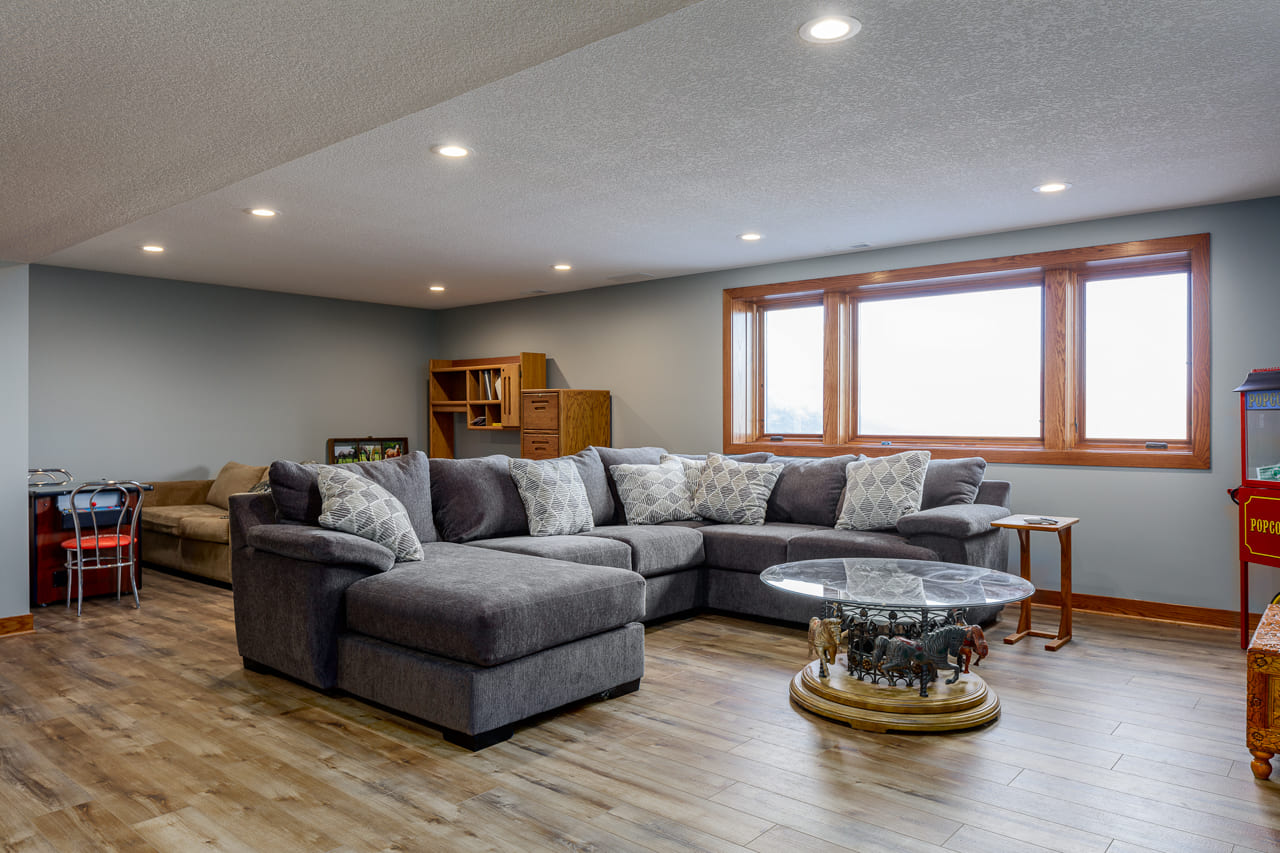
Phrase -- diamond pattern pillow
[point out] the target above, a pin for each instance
(652, 494)
(880, 491)
(554, 496)
(735, 492)
(356, 504)
(693, 469)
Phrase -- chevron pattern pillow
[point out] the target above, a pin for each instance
(734, 492)
(355, 504)
(554, 496)
(880, 491)
(652, 494)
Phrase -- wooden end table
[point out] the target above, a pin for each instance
(1262, 722)
(1061, 525)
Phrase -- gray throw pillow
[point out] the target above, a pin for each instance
(808, 490)
(476, 499)
(952, 481)
(296, 492)
(610, 456)
(652, 494)
(553, 494)
(735, 492)
(880, 491)
(596, 480)
(355, 504)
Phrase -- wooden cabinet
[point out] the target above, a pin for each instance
(484, 391)
(1262, 713)
(562, 421)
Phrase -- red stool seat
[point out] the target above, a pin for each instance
(95, 542)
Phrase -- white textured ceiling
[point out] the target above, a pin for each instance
(626, 138)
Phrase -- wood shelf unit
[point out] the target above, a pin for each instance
(485, 391)
(562, 421)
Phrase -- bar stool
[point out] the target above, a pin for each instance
(110, 541)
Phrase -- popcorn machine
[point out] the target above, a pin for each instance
(1258, 496)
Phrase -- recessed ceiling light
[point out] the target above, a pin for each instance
(830, 28)
(562, 267)
(265, 212)
(155, 250)
(1052, 187)
(750, 236)
(450, 150)
(436, 288)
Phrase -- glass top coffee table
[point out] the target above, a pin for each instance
(888, 629)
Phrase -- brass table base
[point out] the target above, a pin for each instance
(879, 708)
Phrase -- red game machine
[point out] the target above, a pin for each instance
(1259, 493)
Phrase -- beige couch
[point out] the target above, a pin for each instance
(184, 523)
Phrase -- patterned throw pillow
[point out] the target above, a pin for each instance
(355, 504)
(652, 494)
(880, 491)
(693, 469)
(735, 492)
(554, 496)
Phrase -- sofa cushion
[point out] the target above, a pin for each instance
(168, 519)
(656, 549)
(610, 456)
(952, 481)
(485, 607)
(808, 490)
(476, 499)
(207, 527)
(318, 545)
(355, 504)
(234, 479)
(734, 492)
(554, 497)
(749, 548)
(654, 493)
(821, 544)
(595, 479)
(574, 549)
(880, 491)
(297, 492)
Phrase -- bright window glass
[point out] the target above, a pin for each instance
(960, 364)
(793, 370)
(1136, 361)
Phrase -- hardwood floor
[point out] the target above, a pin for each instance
(139, 730)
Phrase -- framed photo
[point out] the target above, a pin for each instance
(368, 449)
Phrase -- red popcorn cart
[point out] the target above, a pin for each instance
(1258, 496)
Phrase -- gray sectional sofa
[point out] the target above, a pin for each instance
(492, 626)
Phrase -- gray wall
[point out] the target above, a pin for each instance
(14, 597)
(153, 379)
(1154, 535)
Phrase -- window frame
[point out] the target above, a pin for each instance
(1061, 276)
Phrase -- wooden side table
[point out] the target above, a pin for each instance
(1262, 714)
(1061, 525)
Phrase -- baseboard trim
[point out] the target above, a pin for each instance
(11, 626)
(1157, 610)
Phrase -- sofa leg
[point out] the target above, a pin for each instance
(480, 741)
(621, 690)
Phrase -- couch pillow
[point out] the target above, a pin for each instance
(355, 504)
(808, 490)
(476, 499)
(596, 481)
(610, 456)
(297, 493)
(693, 468)
(952, 481)
(735, 492)
(233, 479)
(882, 490)
(555, 500)
(652, 494)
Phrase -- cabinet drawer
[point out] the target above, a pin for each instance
(539, 446)
(541, 411)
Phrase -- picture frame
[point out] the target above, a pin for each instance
(368, 449)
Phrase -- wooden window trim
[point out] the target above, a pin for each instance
(1059, 273)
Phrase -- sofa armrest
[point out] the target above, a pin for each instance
(319, 545)
(958, 521)
(177, 492)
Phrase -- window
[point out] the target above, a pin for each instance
(1092, 356)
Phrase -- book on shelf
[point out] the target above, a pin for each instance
(487, 382)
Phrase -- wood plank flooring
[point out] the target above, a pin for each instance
(139, 730)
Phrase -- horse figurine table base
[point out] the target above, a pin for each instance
(888, 677)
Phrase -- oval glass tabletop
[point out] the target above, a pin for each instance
(888, 583)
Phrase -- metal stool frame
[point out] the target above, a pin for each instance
(117, 555)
